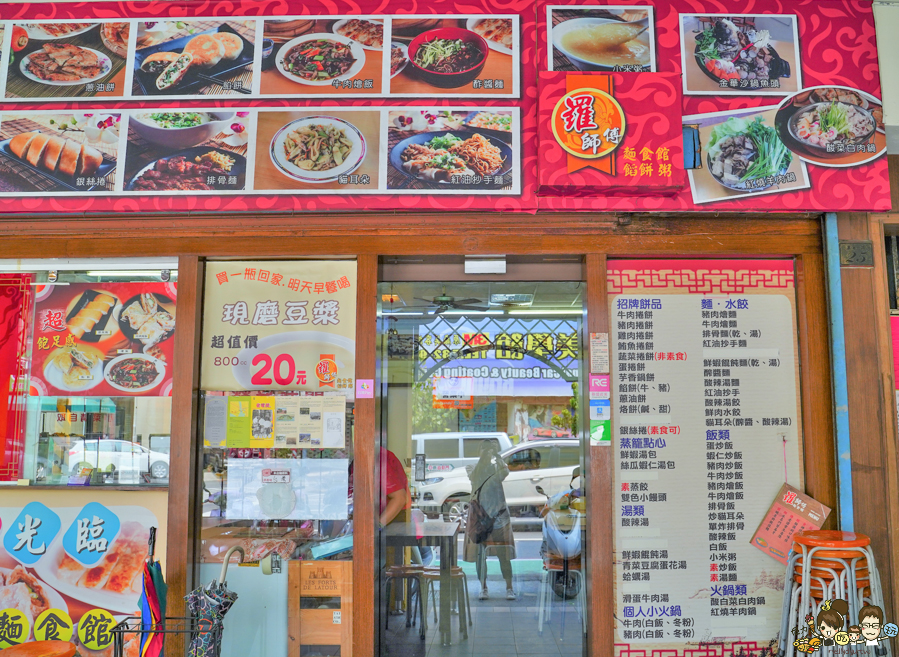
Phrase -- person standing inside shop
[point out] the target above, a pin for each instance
(487, 487)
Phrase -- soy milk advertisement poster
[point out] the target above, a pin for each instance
(280, 326)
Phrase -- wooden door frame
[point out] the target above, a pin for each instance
(194, 239)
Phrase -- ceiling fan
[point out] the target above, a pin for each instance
(443, 302)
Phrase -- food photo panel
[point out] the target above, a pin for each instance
(602, 39)
(104, 338)
(833, 126)
(67, 60)
(454, 56)
(323, 56)
(451, 151)
(317, 150)
(187, 150)
(743, 155)
(54, 152)
(747, 55)
(194, 58)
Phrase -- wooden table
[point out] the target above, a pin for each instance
(433, 534)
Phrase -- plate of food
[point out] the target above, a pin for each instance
(74, 368)
(438, 156)
(498, 124)
(90, 316)
(317, 149)
(64, 65)
(114, 583)
(134, 372)
(115, 37)
(48, 31)
(448, 57)
(742, 152)
(399, 57)
(190, 170)
(497, 32)
(183, 65)
(147, 318)
(20, 589)
(179, 129)
(603, 44)
(725, 52)
(319, 59)
(826, 129)
(60, 159)
(368, 33)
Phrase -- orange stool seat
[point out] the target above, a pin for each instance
(831, 538)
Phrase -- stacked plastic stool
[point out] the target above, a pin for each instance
(828, 565)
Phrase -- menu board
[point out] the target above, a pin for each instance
(706, 431)
(278, 326)
(306, 107)
(103, 339)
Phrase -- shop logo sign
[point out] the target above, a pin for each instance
(588, 123)
(326, 370)
(30, 534)
(88, 538)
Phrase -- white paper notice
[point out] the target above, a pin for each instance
(317, 489)
(215, 425)
(599, 353)
(287, 427)
(333, 419)
(707, 428)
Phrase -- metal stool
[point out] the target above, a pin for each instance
(412, 576)
(432, 576)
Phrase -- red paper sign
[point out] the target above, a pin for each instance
(613, 142)
(97, 339)
(791, 512)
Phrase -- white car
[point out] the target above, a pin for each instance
(125, 457)
(546, 463)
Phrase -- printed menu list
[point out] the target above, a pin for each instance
(705, 388)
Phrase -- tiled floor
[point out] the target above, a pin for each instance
(501, 628)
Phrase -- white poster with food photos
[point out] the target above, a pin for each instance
(740, 54)
(325, 56)
(298, 151)
(601, 38)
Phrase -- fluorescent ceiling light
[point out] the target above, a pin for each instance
(473, 312)
(537, 312)
(134, 272)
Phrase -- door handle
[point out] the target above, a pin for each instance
(536, 479)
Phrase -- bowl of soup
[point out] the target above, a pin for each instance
(602, 44)
(179, 129)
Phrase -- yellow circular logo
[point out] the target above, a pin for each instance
(95, 629)
(326, 371)
(588, 123)
(53, 625)
(14, 628)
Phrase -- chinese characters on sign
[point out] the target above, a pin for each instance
(705, 396)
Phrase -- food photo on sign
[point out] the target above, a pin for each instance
(70, 573)
(318, 149)
(449, 150)
(56, 152)
(740, 54)
(323, 56)
(104, 339)
(187, 150)
(67, 60)
(601, 39)
(195, 58)
(456, 56)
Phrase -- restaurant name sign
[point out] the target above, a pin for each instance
(310, 107)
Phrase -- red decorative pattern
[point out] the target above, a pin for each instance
(735, 649)
(16, 298)
(700, 276)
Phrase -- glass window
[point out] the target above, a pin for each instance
(569, 456)
(525, 459)
(472, 446)
(442, 448)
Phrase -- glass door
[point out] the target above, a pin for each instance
(481, 550)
